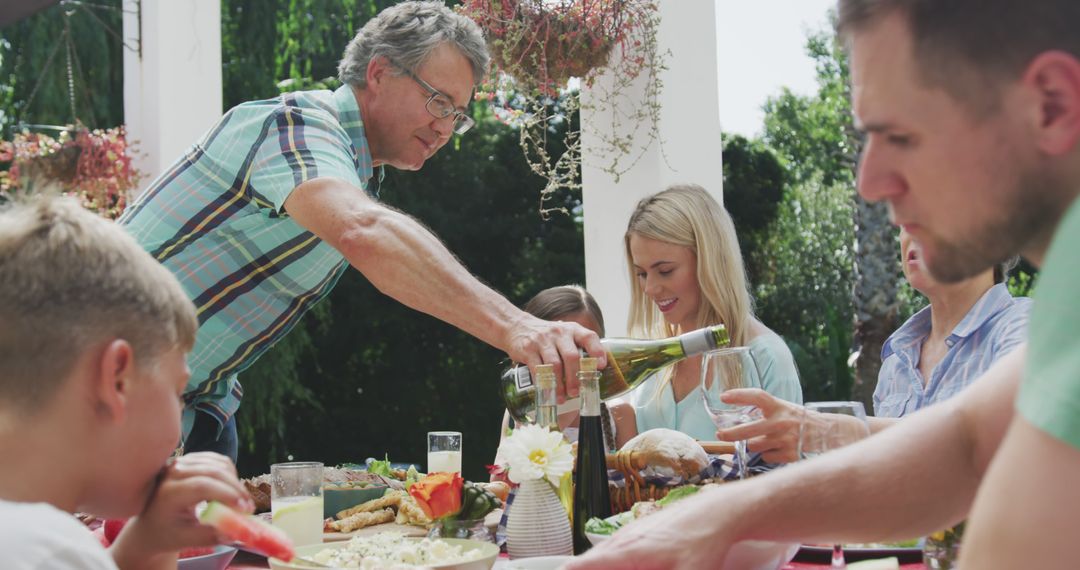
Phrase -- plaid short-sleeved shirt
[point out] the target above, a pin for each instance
(216, 219)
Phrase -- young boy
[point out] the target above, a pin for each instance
(93, 339)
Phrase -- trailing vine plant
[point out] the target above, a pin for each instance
(538, 46)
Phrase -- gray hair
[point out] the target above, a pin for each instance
(407, 33)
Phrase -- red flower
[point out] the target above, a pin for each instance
(438, 494)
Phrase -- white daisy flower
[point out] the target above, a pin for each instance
(534, 452)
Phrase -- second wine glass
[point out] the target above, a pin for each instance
(827, 426)
(727, 369)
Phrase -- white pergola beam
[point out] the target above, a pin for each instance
(172, 86)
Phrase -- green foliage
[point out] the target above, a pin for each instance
(33, 56)
(271, 46)
(1022, 279)
(804, 290)
(754, 181)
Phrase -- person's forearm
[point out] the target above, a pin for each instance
(916, 477)
(868, 491)
(878, 424)
(407, 262)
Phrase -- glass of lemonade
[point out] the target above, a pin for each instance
(296, 500)
(444, 451)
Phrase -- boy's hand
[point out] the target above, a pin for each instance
(168, 523)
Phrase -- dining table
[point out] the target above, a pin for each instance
(248, 561)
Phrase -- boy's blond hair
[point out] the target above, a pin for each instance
(70, 280)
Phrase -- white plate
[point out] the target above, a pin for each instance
(216, 560)
(537, 563)
(596, 538)
(745, 555)
(759, 555)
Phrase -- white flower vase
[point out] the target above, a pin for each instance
(536, 524)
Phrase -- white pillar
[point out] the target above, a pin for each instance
(172, 88)
(690, 130)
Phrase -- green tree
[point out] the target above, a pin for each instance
(754, 182)
(816, 136)
(804, 290)
(35, 54)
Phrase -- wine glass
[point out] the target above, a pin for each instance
(727, 369)
(830, 425)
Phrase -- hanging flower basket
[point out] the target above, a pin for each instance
(93, 165)
(538, 45)
(543, 43)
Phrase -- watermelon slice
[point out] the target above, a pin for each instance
(248, 530)
(111, 529)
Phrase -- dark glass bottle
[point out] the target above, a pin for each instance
(591, 496)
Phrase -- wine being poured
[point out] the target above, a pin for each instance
(630, 363)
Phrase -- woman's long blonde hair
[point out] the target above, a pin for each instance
(686, 215)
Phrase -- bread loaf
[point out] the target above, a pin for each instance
(668, 452)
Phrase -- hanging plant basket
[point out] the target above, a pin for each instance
(543, 43)
(92, 165)
(538, 45)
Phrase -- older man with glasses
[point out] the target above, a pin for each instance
(263, 215)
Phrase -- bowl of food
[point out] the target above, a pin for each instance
(345, 495)
(215, 558)
(539, 563)
(390, 549)
(759, 555)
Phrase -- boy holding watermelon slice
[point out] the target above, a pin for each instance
(93, 340)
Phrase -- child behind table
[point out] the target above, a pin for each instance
(93, 339)
(572, 303)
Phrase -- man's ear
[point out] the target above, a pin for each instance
(377, 70)
(1053, 78)
(116, 371)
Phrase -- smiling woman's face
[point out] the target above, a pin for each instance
(667, 274)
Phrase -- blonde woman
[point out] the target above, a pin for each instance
(686, 272)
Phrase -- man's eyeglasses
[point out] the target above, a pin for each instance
(439, 105)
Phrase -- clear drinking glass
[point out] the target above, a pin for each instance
(722, 370)
(296, 500)
(444, 451)
(830, 425)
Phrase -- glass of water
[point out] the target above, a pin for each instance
(827, 426)
(727, 369)
(444, 451)
(296, 500)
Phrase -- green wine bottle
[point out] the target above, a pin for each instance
(629, 363)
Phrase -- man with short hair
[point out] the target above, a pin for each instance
(972, 115)
(260, 218)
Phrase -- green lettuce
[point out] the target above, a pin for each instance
(380, 467)
(678, 494)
